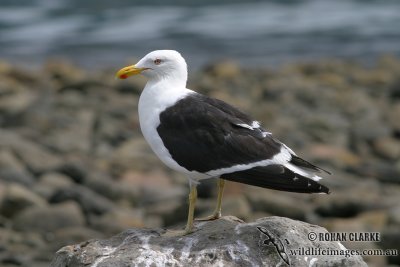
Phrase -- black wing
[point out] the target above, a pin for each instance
(276, 177)
(204, 134)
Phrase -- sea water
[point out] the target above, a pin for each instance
(99, 33)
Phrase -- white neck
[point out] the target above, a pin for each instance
(166, 83)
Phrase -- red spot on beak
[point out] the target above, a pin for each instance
(123, 76)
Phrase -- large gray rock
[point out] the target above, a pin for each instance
(226, 242)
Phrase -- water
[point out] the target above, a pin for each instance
(97, 33)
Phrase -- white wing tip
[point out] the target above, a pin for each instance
(302, 172)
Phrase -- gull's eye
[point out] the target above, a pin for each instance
(157, 61)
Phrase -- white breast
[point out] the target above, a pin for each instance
(154, 100)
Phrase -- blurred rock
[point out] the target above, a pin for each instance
(115, 125)
(3, 191)
(236, 206)
(372, 221)
(50, 182)
(76, 169)
(393, 115)
(90, 202)
(13, 106)
(105, 186)
(339, 156)
(18, 198)
(56, 180)
(394, 215)
(117, 220)
(63, 74)
(278, 203)
(226, 69)
(387, 147)
(362, 129)
(72, 135)
(153, 187)
(28, 242)
(381, 170)
(390, 240)
(13, 170)
(36, 158)
(351, 202)
(133, 154)
(171, 212)
(375, 220)
(49, 219)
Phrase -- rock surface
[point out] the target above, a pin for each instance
(271, 241)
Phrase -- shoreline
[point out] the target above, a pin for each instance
(104, 64)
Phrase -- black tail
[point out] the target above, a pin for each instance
(276, 177)
(305, 164)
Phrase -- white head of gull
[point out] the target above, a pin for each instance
(159, 66)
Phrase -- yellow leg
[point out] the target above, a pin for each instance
(217, 212)
(192, 205)
(189, 225)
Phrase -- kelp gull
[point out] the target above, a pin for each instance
(204, 137)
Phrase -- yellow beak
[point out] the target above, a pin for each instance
(128, 71)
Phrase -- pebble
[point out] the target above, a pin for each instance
(278, 203)
(387, 147)
(46, 220)
(351, 201)
(236, 206)
(18, 198)
(50, 182)
(117, 220)
(89, 201)
(13, 170)
(37, 158)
